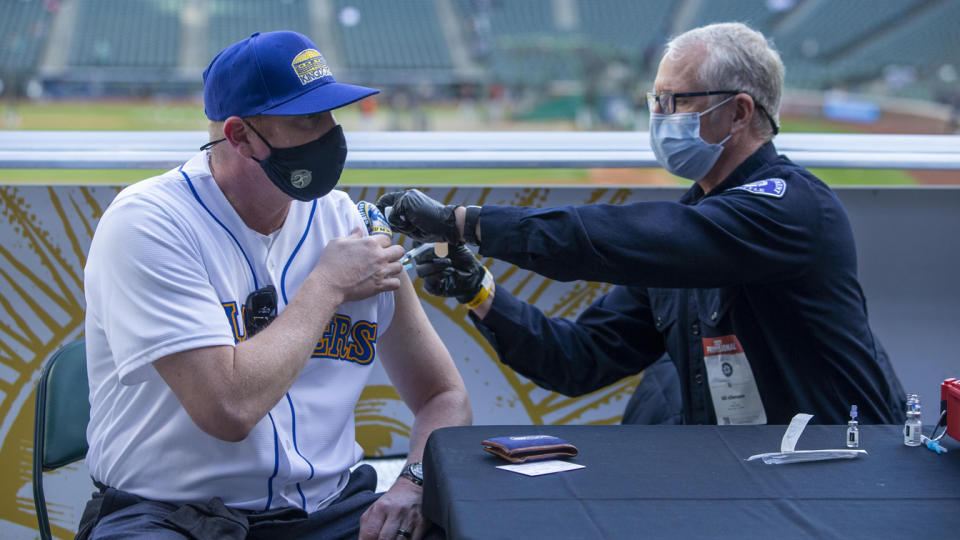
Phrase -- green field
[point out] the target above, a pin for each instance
(154, 116)
(399, 177)
(105, 116)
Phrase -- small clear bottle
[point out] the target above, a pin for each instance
(853, 432)
(913, 426)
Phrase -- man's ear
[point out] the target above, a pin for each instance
(239, 136)
(744, 110)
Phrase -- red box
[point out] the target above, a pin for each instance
(950, 398)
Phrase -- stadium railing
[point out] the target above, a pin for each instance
(469, 150)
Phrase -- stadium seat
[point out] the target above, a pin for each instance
(24, 28)
(129, 35)
(237, 19)
(393, 36)
(61, 416)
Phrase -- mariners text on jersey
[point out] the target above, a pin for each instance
(343, 339)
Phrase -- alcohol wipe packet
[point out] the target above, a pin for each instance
(787, 454)
(798, 456)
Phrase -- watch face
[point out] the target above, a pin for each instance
(414, 472)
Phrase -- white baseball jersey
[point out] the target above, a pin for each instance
(169, 268)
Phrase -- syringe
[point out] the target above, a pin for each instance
(407, 259)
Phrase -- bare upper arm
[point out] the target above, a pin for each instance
(413, 355)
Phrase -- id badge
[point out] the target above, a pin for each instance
(733, 389)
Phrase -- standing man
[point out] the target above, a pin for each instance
(235, 307)
(749, 282)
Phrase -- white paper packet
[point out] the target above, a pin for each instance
(787, 454)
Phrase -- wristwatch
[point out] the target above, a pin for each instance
(413, 471)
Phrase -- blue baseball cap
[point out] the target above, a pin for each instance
(274, 73)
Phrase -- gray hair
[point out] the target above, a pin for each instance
(737, 58)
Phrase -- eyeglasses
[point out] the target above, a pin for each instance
(259, 309)
(668, 102)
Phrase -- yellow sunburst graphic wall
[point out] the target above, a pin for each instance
(44, 236)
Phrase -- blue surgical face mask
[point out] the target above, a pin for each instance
(676, 142)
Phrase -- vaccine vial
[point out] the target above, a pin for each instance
(853, 432)
(913, 426)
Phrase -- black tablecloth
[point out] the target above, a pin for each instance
(694, 482)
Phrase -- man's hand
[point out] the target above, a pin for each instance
(459, 275)
(359, 267)
(396, 510)
(418, 216)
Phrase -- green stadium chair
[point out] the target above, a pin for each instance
(61, 416)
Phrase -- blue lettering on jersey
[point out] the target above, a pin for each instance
(342, 340)
(334, 339)
(363, 335)
(771, 187)
(233, 316)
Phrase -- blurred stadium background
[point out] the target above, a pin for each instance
(876, 66)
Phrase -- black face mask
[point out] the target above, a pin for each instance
(308, 171)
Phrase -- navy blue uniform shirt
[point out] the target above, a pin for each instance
(768, 256)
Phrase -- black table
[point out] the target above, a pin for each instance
(693, 482)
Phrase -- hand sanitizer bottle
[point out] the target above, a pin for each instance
(853, 432)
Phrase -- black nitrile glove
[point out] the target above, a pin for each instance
(459, 275)
(418, 216)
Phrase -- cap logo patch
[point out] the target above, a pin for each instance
(771, 187)
(310, 66)
(300, 178)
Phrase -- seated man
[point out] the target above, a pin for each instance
(235, 307)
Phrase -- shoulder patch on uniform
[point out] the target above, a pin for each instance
(771, 187)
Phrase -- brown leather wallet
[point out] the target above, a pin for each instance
(523, 448)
